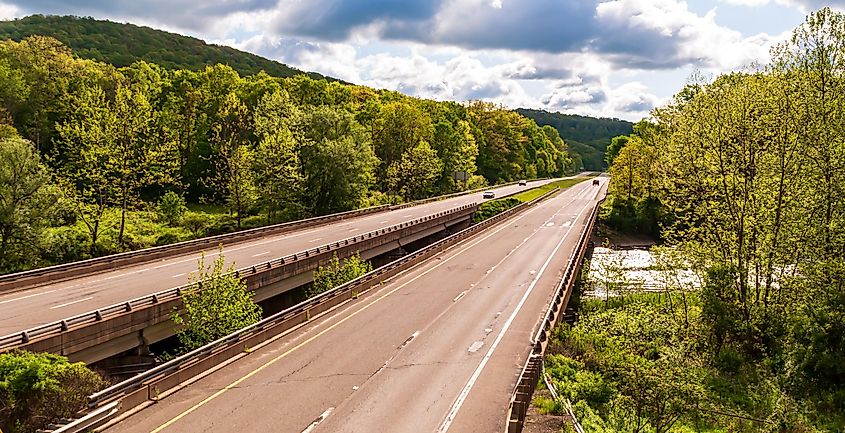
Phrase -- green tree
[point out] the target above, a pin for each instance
(27, 201)
(337, 160)
(39, 388)
(336, 273)
(171, 208)
(216, 305)
(413, 176)
(233, 178)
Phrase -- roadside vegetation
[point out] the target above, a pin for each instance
(742, 177)
(37, 388)
(494, 207)
(99, 159)
(216, 304)
(337, 272)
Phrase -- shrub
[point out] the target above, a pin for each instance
(336, 273)
(37, 388)
(220, 306)
(171, 208)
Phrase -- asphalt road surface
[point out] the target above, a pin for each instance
(53, 302)
(436, 349)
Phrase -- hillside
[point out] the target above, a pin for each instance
(122, 44)
(587, 137)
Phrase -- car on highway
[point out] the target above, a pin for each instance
(488, 194)
(522, 183)
(595, 181)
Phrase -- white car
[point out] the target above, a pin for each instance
(488, 194)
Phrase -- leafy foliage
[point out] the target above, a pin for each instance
(745, 174)
(263, 148)
(336, 273)
(587, 137)
(217, 305)
(123, 44)
(27, 202)
(36, 388)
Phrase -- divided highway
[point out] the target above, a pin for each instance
(436, 349)
(53, 302)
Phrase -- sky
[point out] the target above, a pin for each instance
(604, 58)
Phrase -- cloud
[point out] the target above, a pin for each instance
(171, 14)
(805, 6)
(8, 11)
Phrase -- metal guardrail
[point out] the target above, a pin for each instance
(87, 422)
(51, 329)
(34, 277)
(531, 371)
(147, 383)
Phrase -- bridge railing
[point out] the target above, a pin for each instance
(531, 371)
(52, 329)
(152, 384)
(26, 279)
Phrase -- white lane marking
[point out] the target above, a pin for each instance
(475, 346)
(27, 296)
(550, 224)
(178, 275)
(353, 230)
(315, 240)
(409, 339)
(71, 302)
(261, 254)
(382, 222)
(317, 421)
(460, 295)
(475, 375)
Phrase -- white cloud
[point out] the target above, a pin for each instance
(8, 11)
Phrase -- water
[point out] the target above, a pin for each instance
(617, 270)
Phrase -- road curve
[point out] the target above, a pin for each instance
(436, 349)
(53, 302)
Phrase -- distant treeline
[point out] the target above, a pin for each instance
(123, 44)
(587, 137)
(107, 142)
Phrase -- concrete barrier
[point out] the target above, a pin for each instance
(146, 387)
(96, 335)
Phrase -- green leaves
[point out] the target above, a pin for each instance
(217, 305)
(336, 273)
(27, 203)
(37, 388)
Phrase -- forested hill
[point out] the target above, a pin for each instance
(122, 44)
(587, 137)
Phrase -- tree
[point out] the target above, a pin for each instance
(38, 388)
(278, 175)
(216, 305)
(233, 178)
(414, 175)
(337, 160)
(112, 154)
(616, 145)
(336, 273)
(171, 207)
(27, 199)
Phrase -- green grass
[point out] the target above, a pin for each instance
(533, 193)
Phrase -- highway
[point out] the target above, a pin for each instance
(53, 302)
(436, 349)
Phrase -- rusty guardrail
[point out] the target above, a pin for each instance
(531, 371)
(152, 384)
(56, 328)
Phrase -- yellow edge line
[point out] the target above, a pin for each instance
(321, 333)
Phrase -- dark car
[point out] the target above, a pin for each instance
(595, 181)
(488, 194)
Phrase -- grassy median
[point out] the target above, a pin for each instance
(495, 207)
